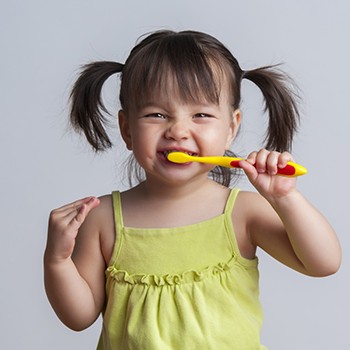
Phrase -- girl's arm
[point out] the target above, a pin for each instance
(74, 282)
(284, 223)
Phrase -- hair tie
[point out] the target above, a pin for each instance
(118, 67)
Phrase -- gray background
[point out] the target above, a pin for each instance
(44, 166)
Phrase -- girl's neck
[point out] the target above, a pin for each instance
(176, 191)
(174, 206)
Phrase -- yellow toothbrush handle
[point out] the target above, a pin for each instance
(290, 170)
(228, 162)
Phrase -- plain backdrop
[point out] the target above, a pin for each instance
(44, 165)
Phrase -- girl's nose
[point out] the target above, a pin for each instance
(177, 130)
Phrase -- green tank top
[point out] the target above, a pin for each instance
(182, 288)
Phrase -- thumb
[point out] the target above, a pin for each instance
(84, 211)
(250, 170)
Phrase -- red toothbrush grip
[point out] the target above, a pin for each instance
(288, 170)
(235, 163)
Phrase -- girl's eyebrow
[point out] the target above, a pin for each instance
(149, 104)
(168, 107)
(146, 105)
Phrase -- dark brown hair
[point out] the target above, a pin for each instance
(197, 65)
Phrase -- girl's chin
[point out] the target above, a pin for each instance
(177, 174)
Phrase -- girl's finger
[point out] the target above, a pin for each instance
(249, 170)
(74, 205)
(79, 215)
(261, 159)
(69, 216)
(64, 216)
(252, 157)
(272, 162)
(284, 158)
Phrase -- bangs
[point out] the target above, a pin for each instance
(173, 65)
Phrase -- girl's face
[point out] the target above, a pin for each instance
(169, 124)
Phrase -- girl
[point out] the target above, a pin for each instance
(171, 263)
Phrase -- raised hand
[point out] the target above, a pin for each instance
(261, 169)
(64, 224)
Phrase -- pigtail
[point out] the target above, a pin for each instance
(87, 111)
(280, 103)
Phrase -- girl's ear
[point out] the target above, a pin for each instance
(234, 127)
(124, 127)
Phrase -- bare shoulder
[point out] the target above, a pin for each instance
(251, 206)
(99, 217)
(256, 211)
(105, 207)
(251, 214)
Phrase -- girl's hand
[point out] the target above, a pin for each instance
(261, 170)
(64, 224)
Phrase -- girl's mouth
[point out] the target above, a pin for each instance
(165, 153)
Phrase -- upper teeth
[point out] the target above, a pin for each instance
(171, 151)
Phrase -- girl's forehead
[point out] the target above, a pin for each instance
(170, 99)
(185, 91)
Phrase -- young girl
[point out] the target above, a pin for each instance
(171, 263)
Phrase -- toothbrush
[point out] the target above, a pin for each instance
(290, 170)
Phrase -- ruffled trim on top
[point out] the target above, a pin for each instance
(122, 276)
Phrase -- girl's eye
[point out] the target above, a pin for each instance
(202, 115)
(155, 115)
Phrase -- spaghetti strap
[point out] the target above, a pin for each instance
(117, 207)
(231, 201)
(118, 225)
(231, 230)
